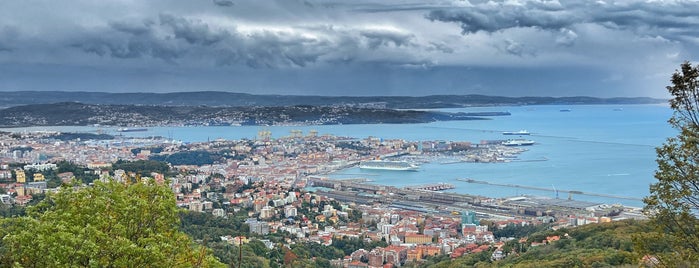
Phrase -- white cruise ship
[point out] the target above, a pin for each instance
(388, 165)
(518, 142)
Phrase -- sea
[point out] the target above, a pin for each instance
(599, 149)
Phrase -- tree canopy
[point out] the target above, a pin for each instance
(105, 225)
(674, 199)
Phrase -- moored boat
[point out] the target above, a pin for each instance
(388, 165)
(518, 142)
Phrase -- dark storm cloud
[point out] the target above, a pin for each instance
(128, 41)
(224, 3)
(135, 28)
(4, 47)
(492, 18)
(8, 35)
(174, 38)
(382, 47)
(271, 50)
(387, 7)
(672, 20)
(378, 38)
(194, 32)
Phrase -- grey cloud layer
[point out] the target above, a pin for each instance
(409, 40)
(673, 20)
(171, 37)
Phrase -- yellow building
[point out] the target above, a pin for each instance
(417, 239)
(21, 177)
(20, 191)
(414, 254)
(431, 251)
(39, 177)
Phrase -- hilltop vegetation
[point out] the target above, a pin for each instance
(106, 225)
(594, 245)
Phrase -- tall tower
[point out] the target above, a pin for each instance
(469, 217)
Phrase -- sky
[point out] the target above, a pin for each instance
(354, 48)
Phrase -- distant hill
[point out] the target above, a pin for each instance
(79, 114)
(218, 98)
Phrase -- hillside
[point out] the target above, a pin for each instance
(78, 114)
(595, 245)
(218, 98)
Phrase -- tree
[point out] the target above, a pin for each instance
(106, 225)
(674, 199)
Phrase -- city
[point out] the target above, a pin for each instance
(344, 134)
(281, 186)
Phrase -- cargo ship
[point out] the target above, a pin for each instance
(388, 165)
(518, 142)
(521, 132)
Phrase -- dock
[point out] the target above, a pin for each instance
(550, 189)
(431, 187)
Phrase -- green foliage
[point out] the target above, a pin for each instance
(204, 226)
(188, 158)
(512, 230)
(81, 173)
(8, 211)
(312, 250)
(142, 167)
(66, 136)
(599, 245)
(107, 225)
(351, 244)
(674, 198)
(481, 259)
(594, 245)
(247, 259)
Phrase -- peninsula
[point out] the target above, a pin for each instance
(79, 114)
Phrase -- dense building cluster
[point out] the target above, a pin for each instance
(265, 180)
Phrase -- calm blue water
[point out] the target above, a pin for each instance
(592, 148)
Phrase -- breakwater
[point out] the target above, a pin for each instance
(552, 189)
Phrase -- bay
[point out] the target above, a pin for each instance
(604, 149)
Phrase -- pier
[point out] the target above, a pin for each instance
(549, 189)
(431, 187)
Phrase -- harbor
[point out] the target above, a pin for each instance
(423, 198)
